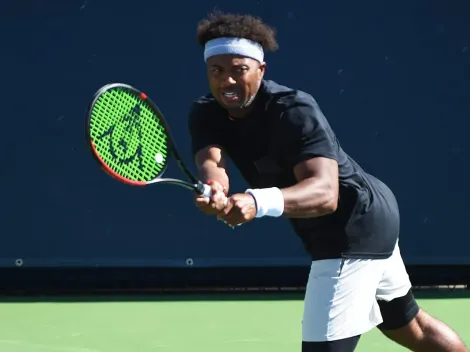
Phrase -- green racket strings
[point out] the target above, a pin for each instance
(128, 135)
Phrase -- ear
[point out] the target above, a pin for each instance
(261, 70)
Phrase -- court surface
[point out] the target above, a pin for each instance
(181, 323)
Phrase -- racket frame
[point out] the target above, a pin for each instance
(194, 184)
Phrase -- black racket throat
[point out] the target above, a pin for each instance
(197, 187)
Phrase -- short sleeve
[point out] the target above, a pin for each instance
(203, 126)
(306, 132)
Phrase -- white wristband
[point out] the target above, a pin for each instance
(269, 201)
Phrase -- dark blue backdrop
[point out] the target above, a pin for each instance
(393, 77)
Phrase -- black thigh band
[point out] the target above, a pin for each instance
(399, 312)
(344, 345)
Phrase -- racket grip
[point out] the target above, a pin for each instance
(206, 191)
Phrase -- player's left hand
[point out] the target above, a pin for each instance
(240, 209)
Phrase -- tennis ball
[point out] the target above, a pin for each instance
(159, 158)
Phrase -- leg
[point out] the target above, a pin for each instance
(340, 304)
(426, 334)
(404, 322)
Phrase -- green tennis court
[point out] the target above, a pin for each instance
(177, 323)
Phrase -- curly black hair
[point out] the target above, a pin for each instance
(219, 24)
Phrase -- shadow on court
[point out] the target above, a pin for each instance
(116, 296)
(152, 297)
(219, 284)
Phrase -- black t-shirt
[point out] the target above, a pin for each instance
(285, 127)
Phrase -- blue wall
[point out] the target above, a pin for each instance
(392, 77)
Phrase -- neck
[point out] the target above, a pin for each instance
(238, 113)
(243, 111)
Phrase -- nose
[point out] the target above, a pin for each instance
(228, 81)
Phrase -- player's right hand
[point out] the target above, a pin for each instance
(214, 204)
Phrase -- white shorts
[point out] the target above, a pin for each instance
(341, 297)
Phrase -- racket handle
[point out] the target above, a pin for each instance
(206, 191)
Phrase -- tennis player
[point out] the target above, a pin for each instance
(347, 219)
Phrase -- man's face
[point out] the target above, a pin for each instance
(234, 80)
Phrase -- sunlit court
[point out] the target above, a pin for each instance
(181, 322)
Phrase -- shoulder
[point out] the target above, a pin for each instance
(286, 96)
(203, 104)
(203, 110)
(294, 107)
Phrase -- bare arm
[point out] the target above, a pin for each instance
(316, 192)
(310, 146)
(211, 165)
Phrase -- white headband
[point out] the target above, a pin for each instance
(236, 46)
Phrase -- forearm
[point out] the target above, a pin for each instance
(311, 197)
(308, 198)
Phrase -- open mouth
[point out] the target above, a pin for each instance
(230, 97)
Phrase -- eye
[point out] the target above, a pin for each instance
(241, 70)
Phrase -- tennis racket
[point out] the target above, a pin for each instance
(130, 138)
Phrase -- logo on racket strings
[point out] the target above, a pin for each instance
(124, 138)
